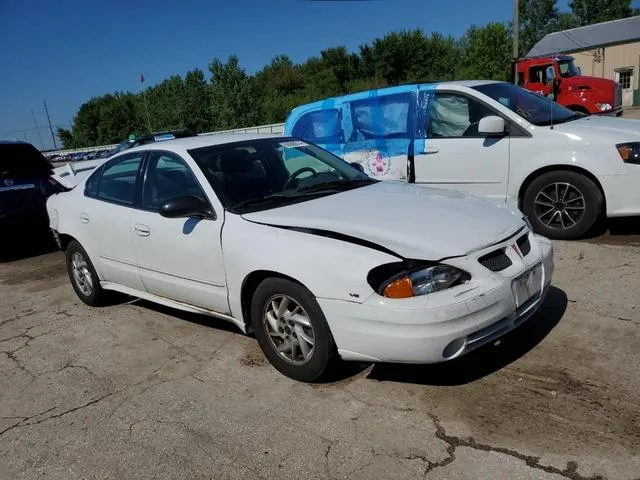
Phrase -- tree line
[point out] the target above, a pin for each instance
(228, 97)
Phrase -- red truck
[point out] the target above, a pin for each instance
(558, 78)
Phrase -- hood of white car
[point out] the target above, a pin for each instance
(411, 221)
(611, 129)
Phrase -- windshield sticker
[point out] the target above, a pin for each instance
(293, 144)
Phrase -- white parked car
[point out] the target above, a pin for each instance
(564, 170)
(286, 240)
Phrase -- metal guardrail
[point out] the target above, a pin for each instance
(270, 128)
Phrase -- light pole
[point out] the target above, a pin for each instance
(516, 27)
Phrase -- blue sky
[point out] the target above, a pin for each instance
(69, 51)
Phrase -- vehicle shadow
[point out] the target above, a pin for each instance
(29, 247)
(485, 360)
(616, 231)
(196, 318)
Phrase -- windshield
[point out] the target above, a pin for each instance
(266, 173)
(567, 68)
(534, 108)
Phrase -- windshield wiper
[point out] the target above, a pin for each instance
(253, 202)
(355, 182)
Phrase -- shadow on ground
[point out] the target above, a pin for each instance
(20, 249)
(485, 360)
(471, 367)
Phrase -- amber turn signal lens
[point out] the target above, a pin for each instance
(625, 152)
(401, 288)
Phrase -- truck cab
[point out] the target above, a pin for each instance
(558, 78)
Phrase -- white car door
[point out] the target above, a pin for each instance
(455, 155)
(178, 258)
(104, 219)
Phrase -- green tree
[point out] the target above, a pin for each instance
(66, 137)
(537, 18)
(197, 102)
(588, 12)
(233, 93)
(487, 52)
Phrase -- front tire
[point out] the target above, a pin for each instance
(83, 276)
(292, 331)
(563, 205)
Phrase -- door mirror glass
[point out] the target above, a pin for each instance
(491, 125)
(550, 74)
(186, 206)
(579, 70)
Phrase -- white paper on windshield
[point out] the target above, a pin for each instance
(293, 144)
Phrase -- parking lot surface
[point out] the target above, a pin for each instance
(141, 391)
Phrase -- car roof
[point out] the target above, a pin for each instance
(182, 144)
(330, 102)
(469, 83)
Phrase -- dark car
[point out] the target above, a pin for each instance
(24, 187)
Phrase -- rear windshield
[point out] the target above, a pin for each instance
(18, 159)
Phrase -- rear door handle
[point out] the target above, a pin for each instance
(142, 230)
(431, 150)
(84, 218)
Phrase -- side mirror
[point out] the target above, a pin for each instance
(491, 125)
(357, 166)
(550, 74)
(579, 70)
(186, 206)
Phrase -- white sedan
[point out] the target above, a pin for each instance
(288, 241)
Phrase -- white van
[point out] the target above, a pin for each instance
(564, 170)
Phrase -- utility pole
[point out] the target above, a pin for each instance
(53, 137)
(37, 128)
(516, 45)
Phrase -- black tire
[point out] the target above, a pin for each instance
(97, 296)
(323, 354)
(566, 207)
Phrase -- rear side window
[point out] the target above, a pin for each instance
(381, 117)
(116, 182)
(323, 126)
(22, 159)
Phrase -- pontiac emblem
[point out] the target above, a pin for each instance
(8, 182)
(517, 250)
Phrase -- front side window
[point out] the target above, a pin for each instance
(538, 74)
(116, 182)
(168, 176)
(454, 115)
(270, 172)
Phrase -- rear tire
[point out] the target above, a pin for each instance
(563, 205)
(83, 276)
(292, 331)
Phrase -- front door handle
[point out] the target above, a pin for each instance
(84, 218)
(431, 150)
(142, 230)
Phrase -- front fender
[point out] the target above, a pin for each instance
(329, 268)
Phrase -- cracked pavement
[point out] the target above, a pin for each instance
(140, 391)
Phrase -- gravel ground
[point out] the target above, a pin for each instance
(139, 391)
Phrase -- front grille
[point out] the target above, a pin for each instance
(496, 261)
(524, 245)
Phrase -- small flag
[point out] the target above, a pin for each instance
(141, 78)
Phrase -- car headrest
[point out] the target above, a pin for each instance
(236, 161)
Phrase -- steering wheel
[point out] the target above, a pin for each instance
(297, 173)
